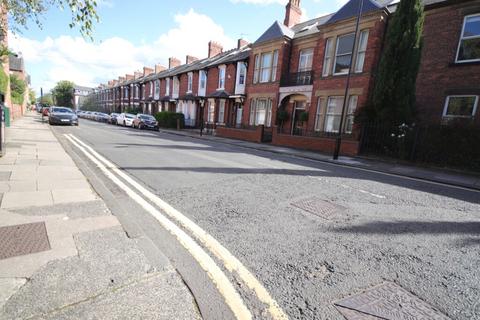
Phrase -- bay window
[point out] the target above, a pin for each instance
(343, 54)
(211, 111)
(261, 112)
(266, 67)
(333, 114)
(469, 46)
(362, 49)
(327, 61)
(221, 111)
(257, 68)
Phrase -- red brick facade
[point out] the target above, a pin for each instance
(439, 76)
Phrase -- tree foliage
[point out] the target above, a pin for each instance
(63, 93)
(17, 87)
(47, 100)
(3, 81)
(394, 93)
(84, 13)
(32, 96)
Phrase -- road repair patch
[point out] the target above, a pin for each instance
(318, 207)
(21, 239)
(387, 301)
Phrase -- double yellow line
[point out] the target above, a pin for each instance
(218, 277)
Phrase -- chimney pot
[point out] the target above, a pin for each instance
(293, 13)
(241, 43)
(173, 62)
(159, 68)
(189, 59)
(214, 49)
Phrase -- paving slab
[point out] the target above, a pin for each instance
(53, 184)
(72, 195)
(26, 199)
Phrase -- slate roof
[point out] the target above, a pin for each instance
(350, 9)
(276, 31)
(220, 94)
(309, 27)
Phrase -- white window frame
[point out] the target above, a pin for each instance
(211, 111)
(256, 72)
(319, 115)
(336, 55)
(157, 89)
(202, 80)
(327, 114)
(447, 100)
(150, 92)
(308, 54)
(361, 51)
(327, 60)
(221, 111)
(222, 72)
(350, 113)
(263, 68)
(242, 72)
(253, 107)
(274, 66)
(190, 82)
(463, 38)
(167, 86)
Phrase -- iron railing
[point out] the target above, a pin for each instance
(303, 78)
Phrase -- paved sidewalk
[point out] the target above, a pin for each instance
(436, 175)
(63, 255)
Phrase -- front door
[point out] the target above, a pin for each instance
(238, 118)
(298, 124)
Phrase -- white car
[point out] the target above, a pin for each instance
(125, 119)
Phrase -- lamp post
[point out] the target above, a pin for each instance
(338, 141)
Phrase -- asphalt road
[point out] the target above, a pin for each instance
(371, 227)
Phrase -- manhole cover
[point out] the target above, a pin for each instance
(23, 239)
(387, 301)
(318, 207)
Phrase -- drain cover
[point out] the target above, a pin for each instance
(387, 301)
(318, 207)
(23, 239)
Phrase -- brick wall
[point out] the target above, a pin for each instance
(230, 78)
(241, 134)
(324, 145)
(439, 76)
(212, 80)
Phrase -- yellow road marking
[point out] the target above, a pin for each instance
(224, 286)
(230, 262)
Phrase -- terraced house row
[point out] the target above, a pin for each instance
(288, 86)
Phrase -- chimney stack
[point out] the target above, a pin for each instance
(159, 68)
(129, 77)
(138, 74)
(214, 49)
(241, 43)
(173, 62)
(189, 59)
(147, 71)
(121, 79)
(293, 13)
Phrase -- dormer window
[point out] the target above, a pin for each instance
(469, 46)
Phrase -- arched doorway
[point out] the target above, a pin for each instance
(293, 113)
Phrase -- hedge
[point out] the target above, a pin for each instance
(168, 119)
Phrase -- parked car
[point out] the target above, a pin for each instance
(145, 121)
(125, 119)
(113, 118)
(102, 117)
(62, 115)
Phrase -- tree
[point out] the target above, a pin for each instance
(47, 100)
(63, 94)
(32, 96)
(17, 87)
(394, 92)
(84, 13)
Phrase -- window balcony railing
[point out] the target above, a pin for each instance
(304, 78)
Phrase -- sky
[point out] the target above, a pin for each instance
(134, 34)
